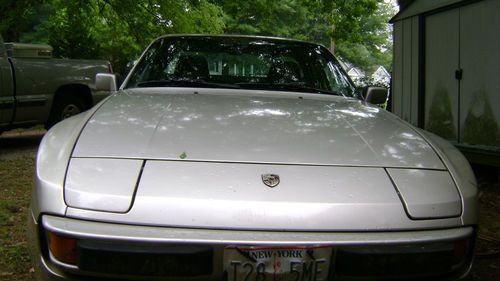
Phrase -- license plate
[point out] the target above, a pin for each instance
(276, 263)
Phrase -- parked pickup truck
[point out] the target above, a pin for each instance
(38, 89)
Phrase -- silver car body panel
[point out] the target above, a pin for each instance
(186, 165)
(92, 229)
(233, 196)
(389, 214)
(108, 189)
(226, 125)
(462, 174)
(53, 269)
(414, 187)
(243, 130)
(52, 160)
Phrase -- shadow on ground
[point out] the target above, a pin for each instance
(487, 262)
(15, 144)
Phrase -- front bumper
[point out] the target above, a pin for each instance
(358, 255)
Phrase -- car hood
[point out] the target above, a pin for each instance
(236, 196)
(243, 126)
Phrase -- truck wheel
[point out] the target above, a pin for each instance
(65, 107)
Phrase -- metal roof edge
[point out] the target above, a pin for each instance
(420, 7)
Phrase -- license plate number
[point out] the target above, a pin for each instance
(277, 264)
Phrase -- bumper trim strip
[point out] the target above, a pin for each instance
(139, 233)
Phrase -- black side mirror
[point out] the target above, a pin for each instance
(375, 95)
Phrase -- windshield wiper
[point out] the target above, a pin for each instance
(186, 83)
(294, 87)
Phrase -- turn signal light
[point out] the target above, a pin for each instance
(63, 248)
(461, 251)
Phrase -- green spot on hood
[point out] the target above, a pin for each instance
(183, 155)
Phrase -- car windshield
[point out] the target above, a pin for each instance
(240, 62)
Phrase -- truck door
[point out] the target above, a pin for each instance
(6, 88)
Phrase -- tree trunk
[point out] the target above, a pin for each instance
(332, 40)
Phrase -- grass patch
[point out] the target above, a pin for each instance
(15, 188)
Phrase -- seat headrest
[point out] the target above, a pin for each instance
(191, 66)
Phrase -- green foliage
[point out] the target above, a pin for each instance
(14, 14)
(118, 30)
(357, 30)
(33, 26)
(71, 29)
(285, 18)
(361, 32)
(349, 18)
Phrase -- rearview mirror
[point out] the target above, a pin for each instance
(375, 95)
(105, 82)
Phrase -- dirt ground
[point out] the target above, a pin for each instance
(487, 262)
(17, 154)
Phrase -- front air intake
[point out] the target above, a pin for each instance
(165, 260)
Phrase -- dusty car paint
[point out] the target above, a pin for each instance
(312, 129)
(184, 166)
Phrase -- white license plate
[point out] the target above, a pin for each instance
(277, 263)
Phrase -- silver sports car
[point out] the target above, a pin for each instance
(247, 158)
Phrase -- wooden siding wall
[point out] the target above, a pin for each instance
(406, 80)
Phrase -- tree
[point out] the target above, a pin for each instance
(117, 30)
(284, 18)
(361, 32)
(357, 30)
(13, 15)
(120, 29)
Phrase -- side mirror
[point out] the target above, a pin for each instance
(105, 82)
(375, 95)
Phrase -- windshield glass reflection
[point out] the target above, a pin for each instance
(240, 62)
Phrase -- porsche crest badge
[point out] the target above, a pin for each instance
(271, 180)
